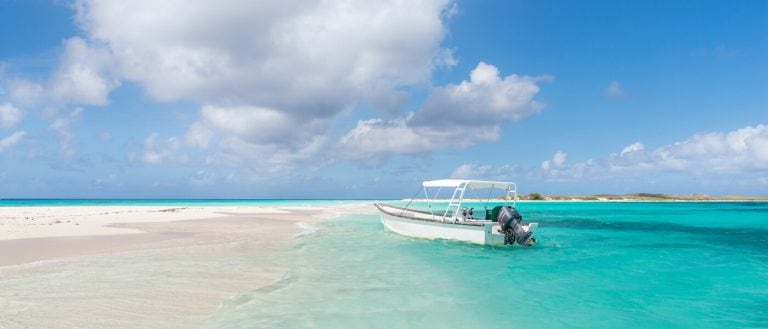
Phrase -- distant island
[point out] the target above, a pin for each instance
(640, 197)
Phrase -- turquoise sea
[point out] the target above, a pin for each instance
(596, 265)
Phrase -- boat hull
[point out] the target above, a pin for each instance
(485, 233)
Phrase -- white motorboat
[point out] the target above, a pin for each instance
(498, 225)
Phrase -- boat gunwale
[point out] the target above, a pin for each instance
(439, 219)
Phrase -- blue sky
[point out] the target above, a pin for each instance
(179, 99)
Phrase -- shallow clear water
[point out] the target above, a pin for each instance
(597, 264)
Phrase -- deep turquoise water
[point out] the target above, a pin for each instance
(597, 265)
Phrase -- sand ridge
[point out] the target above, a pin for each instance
(40, 233)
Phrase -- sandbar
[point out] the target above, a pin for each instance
(142, 266)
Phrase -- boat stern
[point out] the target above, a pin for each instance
(495, 237)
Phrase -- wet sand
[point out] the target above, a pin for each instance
(148, 273)
(29, 234)
(20, 251)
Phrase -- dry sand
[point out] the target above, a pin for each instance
(39, 233)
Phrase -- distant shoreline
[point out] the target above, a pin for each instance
(643, 197)
(634, 197)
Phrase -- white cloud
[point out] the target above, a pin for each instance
(614, 90)
(202, 178)
(259, 139)
(376, 136)
(469, 170)
(557, 161)
(198, 135)
(309, 57)
(546, 164)
(10, 115)
(559, 158)
(487, 172)
(735, 153)
(454, 115)
(23, 92)
(635, 147)
(742, 150)
(61, 125)
(739, 150)
(109, 180)
(158, 150)
(270, 75)
(10, 141)
(262, 162)
(484, 98)
(85, 74)
(259, 124)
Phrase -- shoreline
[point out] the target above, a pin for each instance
(38, 233)
(176, 271)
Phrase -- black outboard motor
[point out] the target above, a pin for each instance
(512, 227)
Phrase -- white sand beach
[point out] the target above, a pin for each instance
(141, 266)
(39, 222)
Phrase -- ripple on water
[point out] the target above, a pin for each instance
(604, 267)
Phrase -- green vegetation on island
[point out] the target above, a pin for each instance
(535, 196)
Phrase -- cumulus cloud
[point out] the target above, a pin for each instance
(742, 151)
(260, 124)
(614, 90)
(488, 172)
(10, 115)
(557, 161)
(24, 92)
(275, 142)
(256, 161)
(485, 97)
(158, 150)
(85, 74)
(198, 136)
(453, 115)
(10, 141)
(202, 178)
(259, 139)
(261, 161)
(61, 125)
(109, 180)
(309, 57)
(377, 136)
(739, 150)
(270, 76)
(636, 147)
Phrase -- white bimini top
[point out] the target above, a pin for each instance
(474, 184)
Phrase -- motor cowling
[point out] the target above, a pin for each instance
(511, 225)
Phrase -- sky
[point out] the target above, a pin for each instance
(366, 99)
